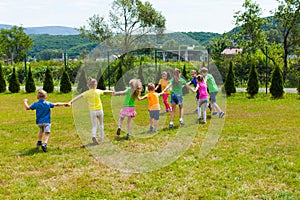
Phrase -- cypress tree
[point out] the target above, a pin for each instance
(298, 88)
(82, 83)
(184, 72)
(252, 86)
(48, 85)
(14, 85)
(101, 81)
(2, 80)
(158, 77)
(65, 83)
(185, 90)
(30, 85)
(141, 77)
(229, 82)
(119, 78)
(276, 88)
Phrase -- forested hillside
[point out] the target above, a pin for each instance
(76, 45)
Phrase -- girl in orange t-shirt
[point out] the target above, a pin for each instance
(153, 106)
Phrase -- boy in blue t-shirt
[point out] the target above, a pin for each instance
(43, 120)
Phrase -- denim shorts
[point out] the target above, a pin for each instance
(176, 99)
(45, 127)
(213, 97)
(154, 114)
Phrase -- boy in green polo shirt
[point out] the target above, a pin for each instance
(213, 91)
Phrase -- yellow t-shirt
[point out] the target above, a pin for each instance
(93, 97)
(164, 83)
(153, 101)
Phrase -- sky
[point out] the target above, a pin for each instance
(181, 15)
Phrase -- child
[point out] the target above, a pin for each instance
(95, 107)
(131, 94)
(193, 82)
(213, 90)
(163, 82)
(176, 96)
(153, 106)
(202, 98)
(43, 116)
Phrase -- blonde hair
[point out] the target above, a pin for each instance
(92, 83)
(136, 87)
(204, 70)
(176, 75)
(151, 87)
(42, 94)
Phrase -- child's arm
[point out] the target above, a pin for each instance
(157, 86)
(60, 104)
(118, 93)
(26, 104)
(167, 87)
(191, 89)
(108, 92)
(75, 99)
(142, 98)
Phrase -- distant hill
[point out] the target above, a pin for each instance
(50, 30)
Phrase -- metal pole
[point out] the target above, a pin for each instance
(25, 67)
(266, 70)
(155, 59)
(65, 55)
(208, 59)
(108, 70)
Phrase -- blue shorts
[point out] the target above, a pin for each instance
(154, 114)
(176, 99)
(212, 97)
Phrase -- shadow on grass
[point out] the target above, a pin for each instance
(31, 152)
(88, 145)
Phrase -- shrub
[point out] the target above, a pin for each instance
(119, 79)
(30, 85)
(298, 88)
(14, 85)
(229, 82)
(141, 77)
(48, 82)
(82, 83)
(101, 81)
(185, 90)
(65, 83)
(276, 88)
(2, 80)
(252, 86)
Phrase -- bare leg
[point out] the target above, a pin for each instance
(173, 112)
(151, 122)
(216, 107)
(40, 135)
(128, 124)
(181, 111)
(47, 135)
(155, 122)
(120, 122)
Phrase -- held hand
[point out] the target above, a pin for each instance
(25, 100)
(68, 104)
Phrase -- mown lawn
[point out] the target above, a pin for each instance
(255, 156)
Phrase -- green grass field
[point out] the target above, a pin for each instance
(256, 156)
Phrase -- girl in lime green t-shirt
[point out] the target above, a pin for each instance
(128, 110)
